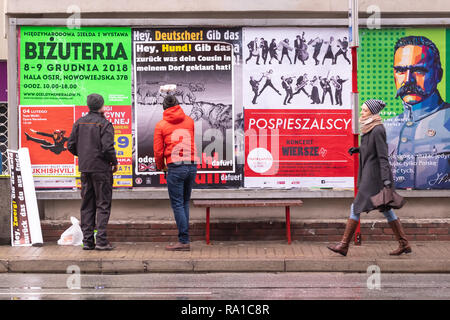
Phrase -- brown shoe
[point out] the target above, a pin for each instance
(342, 247)
(400, 236)
(179, 247)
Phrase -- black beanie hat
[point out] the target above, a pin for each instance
(375, 106)
(170, 101)
(95, 102)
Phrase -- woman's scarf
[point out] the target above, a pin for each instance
(368, 123)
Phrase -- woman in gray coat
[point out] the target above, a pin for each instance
(374, 174)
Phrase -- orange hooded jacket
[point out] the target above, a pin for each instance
(174, 138)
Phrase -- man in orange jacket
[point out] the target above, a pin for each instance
(174, 143)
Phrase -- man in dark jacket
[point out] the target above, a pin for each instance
(92, 140)
(264, 49)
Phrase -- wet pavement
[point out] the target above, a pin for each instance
(250, 256)
(224, 286)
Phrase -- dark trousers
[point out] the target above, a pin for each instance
(315, 55)
(264, 55)
(253, 55)
(96, 194)
(297, 52)
(285, 53)
(344, 54)
(338, 95)
(269, 84)
(289, 96)
(255, 91)
(180, 180)
(330, 93)
(300, 91)
(273, 55)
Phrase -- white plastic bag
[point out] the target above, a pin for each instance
(72, 236)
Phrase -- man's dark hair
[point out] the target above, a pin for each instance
(170, 101)
(420, 41)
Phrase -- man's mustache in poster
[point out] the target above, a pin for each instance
(409, 88)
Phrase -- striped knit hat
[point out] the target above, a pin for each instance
(375, 106)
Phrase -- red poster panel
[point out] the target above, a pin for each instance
(45, 130)
(120, 117)
(298, 148)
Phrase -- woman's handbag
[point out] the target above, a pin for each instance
(387, 199)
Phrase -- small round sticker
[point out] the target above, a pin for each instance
(260, 160)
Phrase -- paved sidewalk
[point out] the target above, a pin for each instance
(256, 256)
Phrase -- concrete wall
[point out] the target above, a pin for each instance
(260, 11)
(302, 7)
(323, 209)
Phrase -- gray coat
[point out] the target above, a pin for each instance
(374, 168)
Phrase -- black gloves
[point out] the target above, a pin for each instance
(353, 150)
(387, 183)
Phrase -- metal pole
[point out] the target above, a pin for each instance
(354, 43)
(13, 115)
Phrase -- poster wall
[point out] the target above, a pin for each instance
(58, 69)
(296, 87)
(120, 117)
(407, 68)
(201, 63)
(25, 222)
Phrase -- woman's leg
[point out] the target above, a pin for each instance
(352, 223)
(390, 215)
(400, 235)
(354, 216)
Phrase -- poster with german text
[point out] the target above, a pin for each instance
(201, 63)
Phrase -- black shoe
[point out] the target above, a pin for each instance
(88, 247)
(107, 247)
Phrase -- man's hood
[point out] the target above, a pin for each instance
(174, 114)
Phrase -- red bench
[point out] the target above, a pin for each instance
(248, 203)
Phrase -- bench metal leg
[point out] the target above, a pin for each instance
(288, 224)
(207, 225)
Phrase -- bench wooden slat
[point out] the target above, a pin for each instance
(247, 203)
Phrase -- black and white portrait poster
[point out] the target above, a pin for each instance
(201, 63)
(296, 68)
(297, 101)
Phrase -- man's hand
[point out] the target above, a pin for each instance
(353, 150)
(114, 168)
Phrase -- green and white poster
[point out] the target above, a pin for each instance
(58, 68)
(61, 66)
(407, 68)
